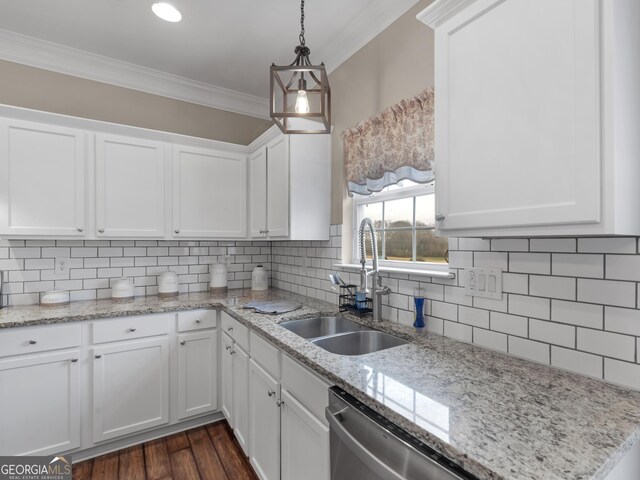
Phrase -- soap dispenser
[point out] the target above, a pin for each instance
(418, 299)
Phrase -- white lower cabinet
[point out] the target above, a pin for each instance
(40, 403)
(304, 442)
(197, 373)
(130, 387)
(226, 378)
(265, 423)
(241, 425)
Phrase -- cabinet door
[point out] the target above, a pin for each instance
(265, 423)
(226, 383)
(241, 423)
(278, 187)
(197, 373)
(40, 404)
(42, 179)
(130, 193)
(130, 387)
(518, 114)
(209, 193)
(305, 442)
(258, 193)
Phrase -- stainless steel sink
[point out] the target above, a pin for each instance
(318, 327)
(359, 343)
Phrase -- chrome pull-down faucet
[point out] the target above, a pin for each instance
(377, 289)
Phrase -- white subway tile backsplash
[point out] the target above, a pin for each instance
(607, 292)
(25, 252)
(490, 339)
(607, 245)
(510, 244)
(458, 331)
(580, 314)
(576, 361)
(552, 287)
(622, 320)
(515, 283)
(511, 324)
(553, 333)
(623, 267)
(447, 311)
(578, 265)
(607, 344)
(490, 260)
(474, 316)
(623, 373)
(474, 244)
(529, 306)
(530, 263)
(552, 245)
(535, 351)
(84, 252)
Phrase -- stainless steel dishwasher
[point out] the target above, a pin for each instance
(366, 446)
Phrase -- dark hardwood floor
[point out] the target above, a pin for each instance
(204, 453)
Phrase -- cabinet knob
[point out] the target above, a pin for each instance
(101, 230)
(132, 330)
(99, 356)
(230, 329)
(74, 360)
(32, 342)
(439, 217)
(80, 229)
(232, 352)
(198, 321)
(177, 230)
(228, 347)
(279, 403)
(183, 342)
(271, 393)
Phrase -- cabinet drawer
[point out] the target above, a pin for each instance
(128, 328)
(236, 330)
(197, 320)
(265, 354)
(18, 341)
(306, 386)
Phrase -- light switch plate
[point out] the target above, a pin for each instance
(484, 282)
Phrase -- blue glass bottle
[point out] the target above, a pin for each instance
(418, 298)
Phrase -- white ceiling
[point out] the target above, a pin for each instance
(228, 44)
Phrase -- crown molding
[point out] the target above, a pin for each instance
(39, 53)
(442, 10)
(368, 25)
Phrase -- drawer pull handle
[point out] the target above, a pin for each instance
(32, 342)
(228, 347)
(99, 356)
(80, 229)
(271, 393)
(101, 230)
(183, 342)
(198, 321)
(132, 330)
(232, 352)
(74, 360)
(177, 230)
(230, 329)
(279, 403)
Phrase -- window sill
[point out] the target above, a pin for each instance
(409, 271)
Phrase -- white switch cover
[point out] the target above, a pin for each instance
(484, 282)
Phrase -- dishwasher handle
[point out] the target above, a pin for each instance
(374, 463)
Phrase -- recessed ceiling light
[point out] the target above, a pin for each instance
(167, 12)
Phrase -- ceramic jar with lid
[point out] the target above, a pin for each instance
(122, 289)
(168, 284)
(259, 278)
(218, 281)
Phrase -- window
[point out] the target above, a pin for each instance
(404, 218)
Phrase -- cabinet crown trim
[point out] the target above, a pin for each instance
(442, 10)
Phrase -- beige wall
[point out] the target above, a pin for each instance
(39, 89)
(396, 64)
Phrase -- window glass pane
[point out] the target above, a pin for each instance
(425, 210)
(374, 212)
(398, 245)
(398, 213)
(429, 248)
(367, 244)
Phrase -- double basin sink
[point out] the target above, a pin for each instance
(342, 336)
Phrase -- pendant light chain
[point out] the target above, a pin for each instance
(301, 37)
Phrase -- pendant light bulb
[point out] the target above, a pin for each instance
(302, 102)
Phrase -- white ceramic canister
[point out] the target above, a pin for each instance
(218, 281)
(122, 289)
(55, 298)
(259, 278)
(168, 284)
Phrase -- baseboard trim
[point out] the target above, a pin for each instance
(129, 441)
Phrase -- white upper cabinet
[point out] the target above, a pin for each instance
(130, 187)
(209, 193)
(290, 186)
(536, 117)
(42, 179)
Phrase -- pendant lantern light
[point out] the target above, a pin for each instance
(300, 99)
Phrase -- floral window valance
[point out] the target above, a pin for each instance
(394, 145)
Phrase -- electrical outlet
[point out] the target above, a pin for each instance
(484, 282)
(61, 268)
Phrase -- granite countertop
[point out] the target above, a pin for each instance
(497, 416)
